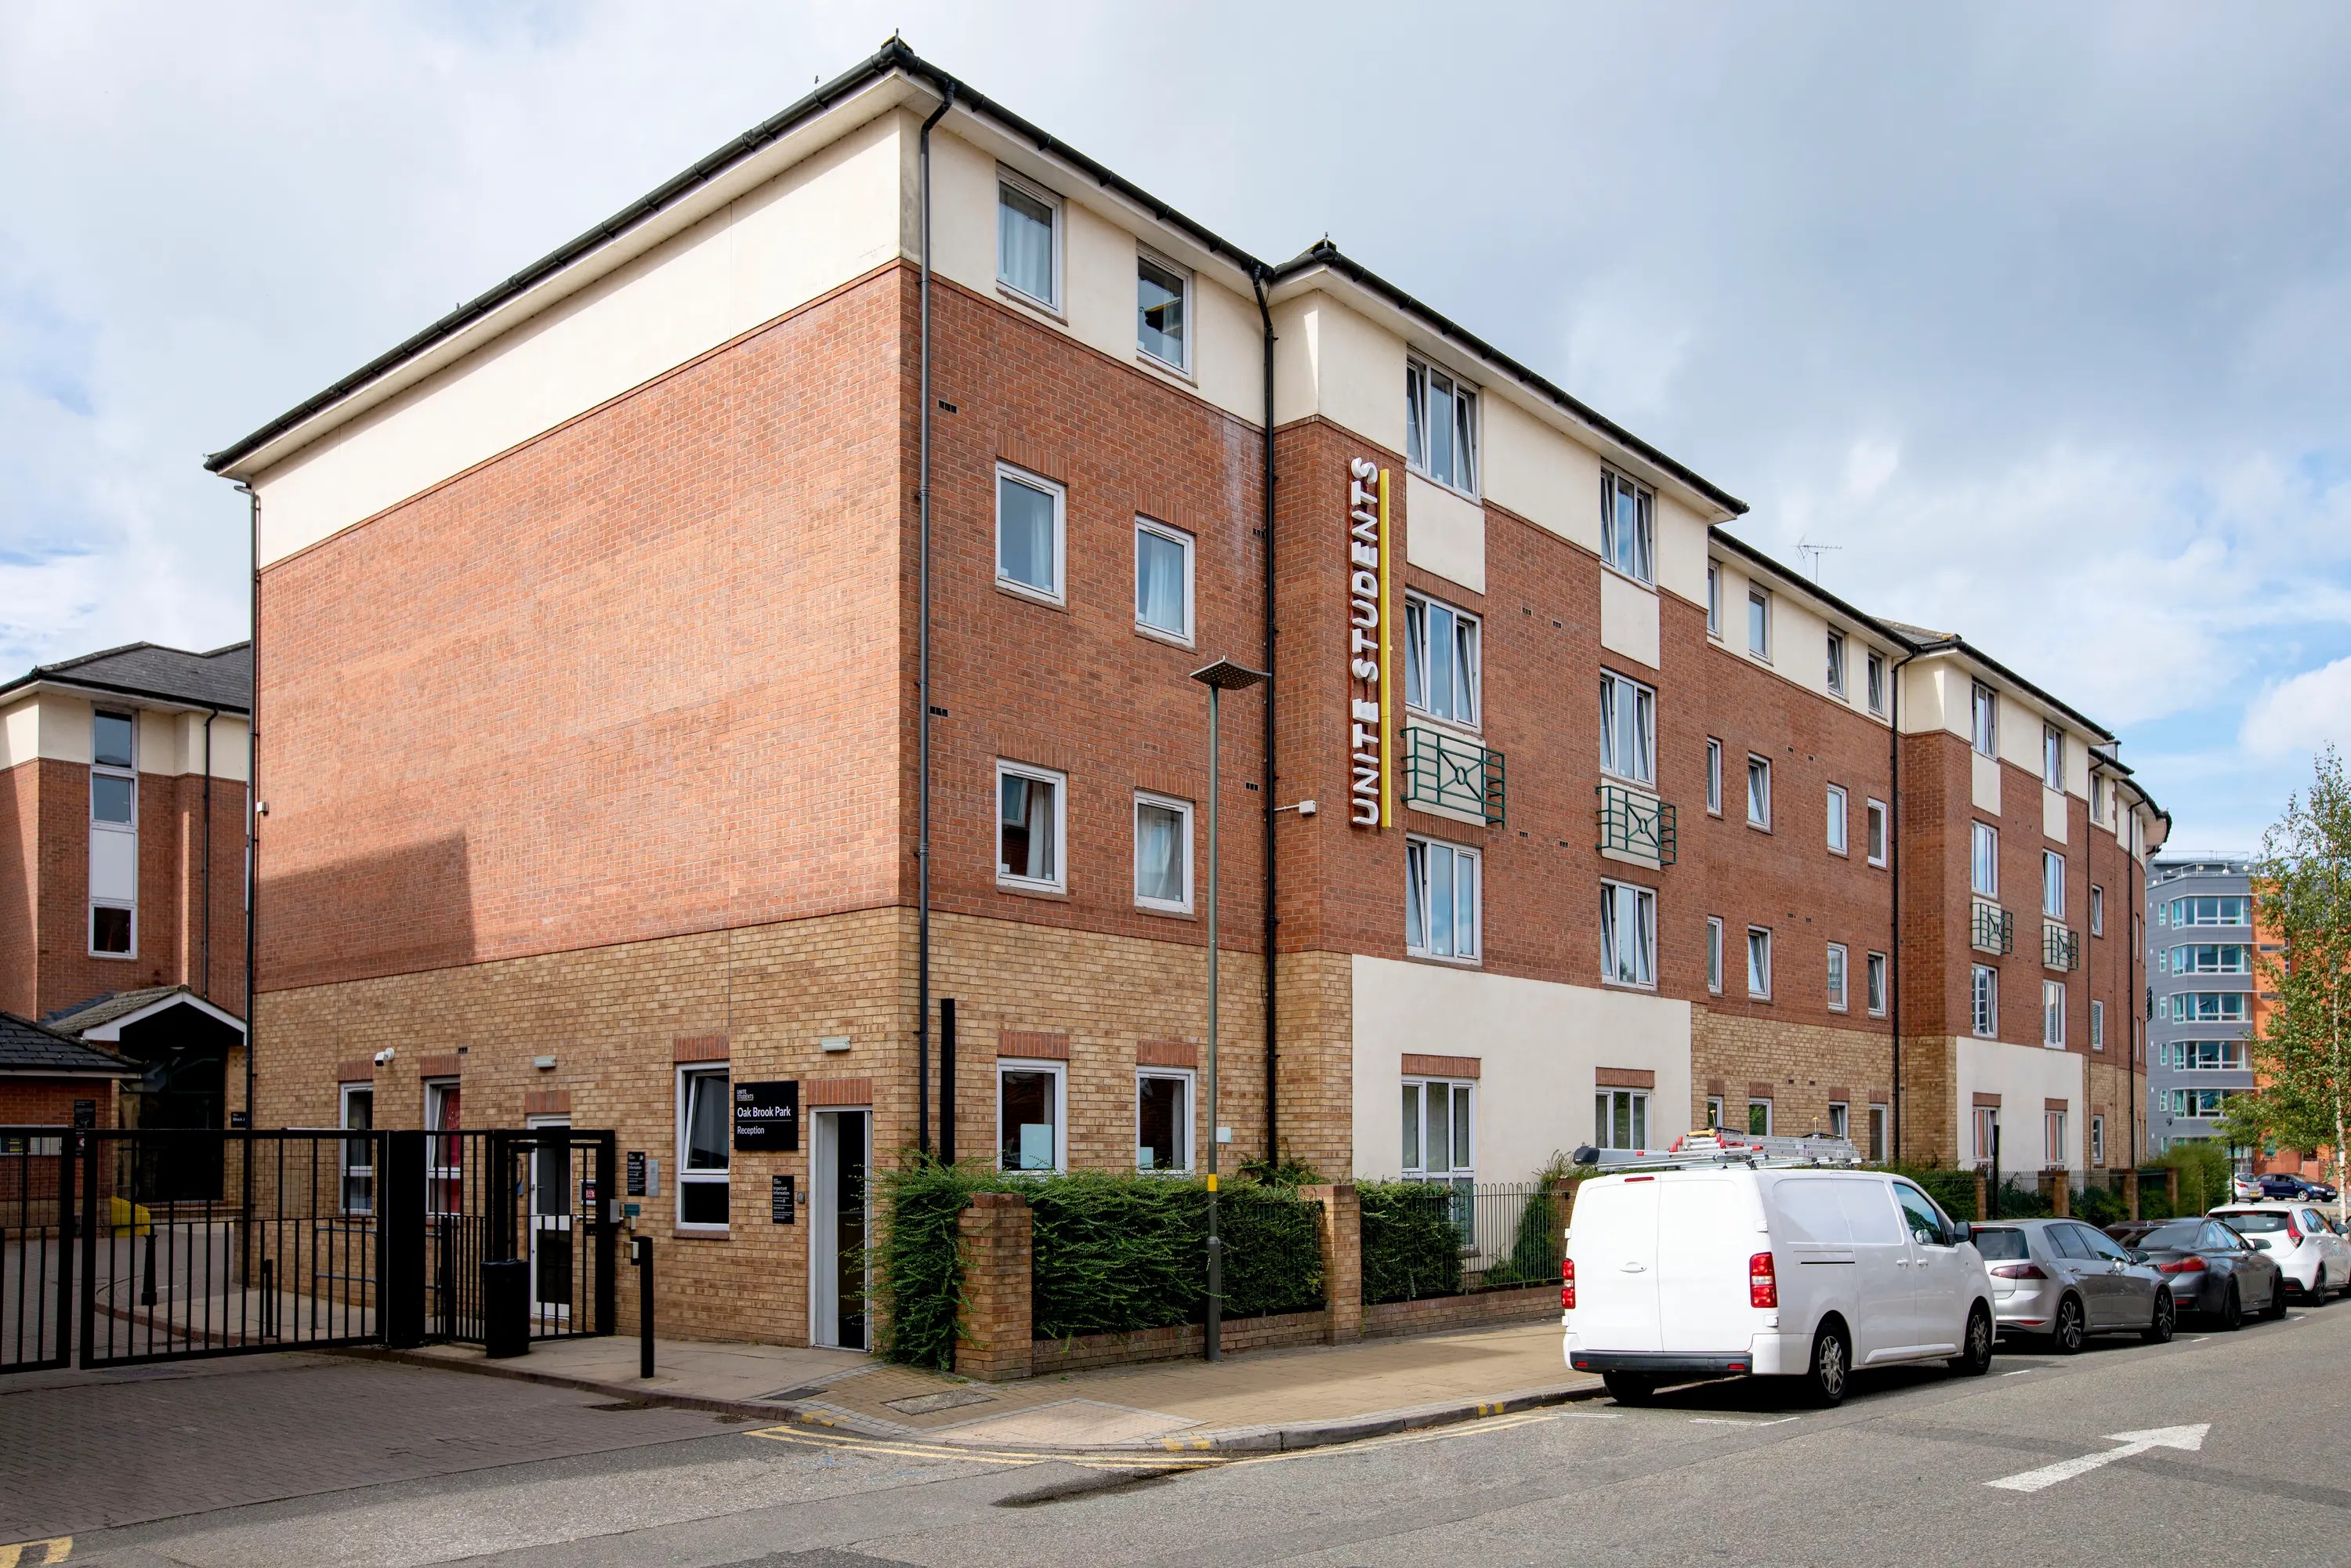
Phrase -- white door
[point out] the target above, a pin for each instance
(840, 1222)
(1706, 1237)
(553, 1276)
(1936, 1277)
(1884, 1313)
(1612, 1236)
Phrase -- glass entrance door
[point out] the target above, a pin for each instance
(838, 1156)
(551, 1220)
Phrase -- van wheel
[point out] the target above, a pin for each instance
(2233, 1310)
(1832, 1367)
(1628, 1387)
(1974, 1352)
(2167, 1319)
(2067, 1336)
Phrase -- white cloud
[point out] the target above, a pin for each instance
(2300, 715)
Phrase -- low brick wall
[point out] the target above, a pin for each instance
(1430, 1314)
(1182, 1342)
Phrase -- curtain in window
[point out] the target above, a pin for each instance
(1026, 827)
(1024, 534)
(1159, 583)
(1158, 853)
(1024, 243)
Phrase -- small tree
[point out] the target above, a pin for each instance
(2302, 901)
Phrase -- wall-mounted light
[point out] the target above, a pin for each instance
(544, 1063)
(833, 1042)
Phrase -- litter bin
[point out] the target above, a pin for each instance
(505, 1308)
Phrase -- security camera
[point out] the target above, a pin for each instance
(384, 1056)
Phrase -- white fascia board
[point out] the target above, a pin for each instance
(868, 103)
(110, 1031)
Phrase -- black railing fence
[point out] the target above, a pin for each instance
(36, 1207)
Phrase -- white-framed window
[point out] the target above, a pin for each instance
(1758, 961)
(705, 1142)
(444, 1157)
(2204, 1055)
(1029, 533)
(1873, 967)
(1441, 661)
(1840, 1119)
(2053, 884)
(2097, 910)
(1440, 900)
(1713, 599)
(2097, 797)
(1628, 934)
(1983, 710)
(1440, 1131)
(1027, 239)
(1628, 728)
(1836, 977)
(1713, 777)
(1758, 622)
(1440, 426)
(1983, 859)
(2052, 1135)
(1714, 1113)
(2234, 911)
(1031, 810)
(1163, 853)
(1835, 671)
(2053, 1014)
(1987, 1121)
(113, 835)
(1878, 1118)
(1758, 1118)
(1758, 791)
(1875, 818)
(358, 1115)
(1163, 1119)
(1620, 1119)
(2097, 1025)
(2210, 958)
(1983, 1001)
(2052, 757)
(2198, 1104)
(1876, 668)
(1839, 814)
(1163, 311)
(1031, 1115)
(2097, 1140)
(1162, 581)
(2211, 1007)
(1713, 953)
(1627, 527)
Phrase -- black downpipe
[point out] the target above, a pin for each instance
(252, 794)
(1272, 799)
(922, 679)
(1893, 880)
(204, 943)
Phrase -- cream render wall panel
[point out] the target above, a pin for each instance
(1540, 1045)
(2020, 734)
(1540, 473)
(1098, 281)
(159, 743)
(1934, 696)
(1444, 533)
(2054, 814)
(811, 228)
(1984, 782)
(20, 733)
(65, 728)
(2025, 1076)
(1345, 368)
(1628, 618)
(1681, 549)
(1227, 349)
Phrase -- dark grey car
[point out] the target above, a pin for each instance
(2215, 1271)
(2060, 1279)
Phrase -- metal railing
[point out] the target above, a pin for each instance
(1991, 928)
(1448, 771)
(1635, 822)
(2060, 948)
(37, 1279)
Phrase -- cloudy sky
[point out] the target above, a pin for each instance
(2040, 316)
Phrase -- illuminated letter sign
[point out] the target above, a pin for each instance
(1370, 666)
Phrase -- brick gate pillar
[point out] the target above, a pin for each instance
(992, 1335)
(1343, 1260)
(2130, 1194)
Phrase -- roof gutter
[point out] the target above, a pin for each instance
(34, 683)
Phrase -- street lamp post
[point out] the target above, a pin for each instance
(1222, 676)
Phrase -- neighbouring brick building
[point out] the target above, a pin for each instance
(592, 720)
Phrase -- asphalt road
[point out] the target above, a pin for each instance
(1713, 1474)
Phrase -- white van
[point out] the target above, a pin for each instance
(1730, 1262)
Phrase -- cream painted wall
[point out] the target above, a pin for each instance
(1927, 698)
(1984, 782)
(20, 732)
(57, 726)
(2054, 814)
(1444, 532)
(1539, 473)
(1331, 361)
(814, 227)
(1539, 1045)
(1681, 549)
(1628, 618)
(2024, 1077)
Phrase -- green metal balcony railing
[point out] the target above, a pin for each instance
(1448, 771)
(1635, 824)
(1994, 930)
(2060, 948)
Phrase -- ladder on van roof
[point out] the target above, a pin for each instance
(1714, 1148)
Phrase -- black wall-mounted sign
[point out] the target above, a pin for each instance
(783, 1200)
(238, 1119)
(767, 1116)
(85, 1113)
(636, 1173)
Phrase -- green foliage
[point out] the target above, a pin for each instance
(918, 1265)
(2204, 1173)
(1412, 1245)
(1954, 1189)
(2022, 1200)
(2154, 1201)
(1288, 1171)
(1535, 1241)
(2100, 1207)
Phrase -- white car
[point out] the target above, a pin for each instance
(2307, 1250)
(2245, 1188)
(1722, 1269)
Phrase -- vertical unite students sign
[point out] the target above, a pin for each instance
(1370, 666)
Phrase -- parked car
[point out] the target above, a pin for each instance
(2320, 1191)
(2214, 1272)
(2313, 1259)
(2244, 1187)
(2128, 1231)
(2060, 1280)
(2286, 1186)
(1675, 1274)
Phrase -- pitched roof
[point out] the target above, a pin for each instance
(28, 1047)
(221, 679)
(83, 1017)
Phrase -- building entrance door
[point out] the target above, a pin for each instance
(839, 1214)
(549, 1215)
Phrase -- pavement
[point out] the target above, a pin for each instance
(1268, 1399)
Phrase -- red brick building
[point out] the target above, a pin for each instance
(592, 698)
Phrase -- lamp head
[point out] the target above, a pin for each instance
(1226, 676)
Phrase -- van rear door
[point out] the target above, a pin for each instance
(1612, 1238)
(1707, 1232)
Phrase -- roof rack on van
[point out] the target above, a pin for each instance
(1716, 1148)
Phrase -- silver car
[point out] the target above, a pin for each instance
(2062, 1280)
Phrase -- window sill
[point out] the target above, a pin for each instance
(1759, 826)
(1166, 912)
(1151, 361)
(1031, 890)
(1444, 484)
(1022, 298)
(1878, 865)
(1647, 986)
(703, 1232)
(1032, 595)
(1453, 727)
(1158, 634)
(1841, 854)
(119, 958)
(1642, 785)
(1753, 997)
(1412, 957)
(1646, 585)
(1763, 659)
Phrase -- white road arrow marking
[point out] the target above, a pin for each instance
(2188, 1437)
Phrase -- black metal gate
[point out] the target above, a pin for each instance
(132, 1246)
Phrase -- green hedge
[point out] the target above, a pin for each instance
(1113, 1253)
(1954, 1189)
(1412, 1247)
